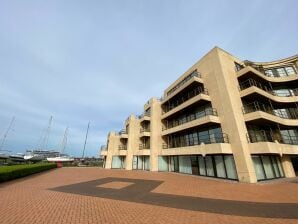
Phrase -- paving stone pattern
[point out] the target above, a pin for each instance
(94, 195)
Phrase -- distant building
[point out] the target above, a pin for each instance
(223, 118)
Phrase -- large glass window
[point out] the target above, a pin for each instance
(290, 70)
(209, 166)
(185, 164)
(118, 162)
(147, 163)
(267, 167)
(194, 165)
(220, 166)
(230, 167)
(280, 72)
(162, 163)
(202, 165)
(260, 173)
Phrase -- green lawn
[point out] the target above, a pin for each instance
(17, 171)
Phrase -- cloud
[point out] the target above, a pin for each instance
(101, 61)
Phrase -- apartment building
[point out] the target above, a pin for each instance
(223, 118)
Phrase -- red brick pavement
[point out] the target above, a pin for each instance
(29, 200)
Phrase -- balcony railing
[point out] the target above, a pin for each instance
(270, 136)
(190, 117)
(144, 146)
(282, 113)
(122, 132)
(103, 148)
(122, 147)
(184, 98)
(283, 71)
(144, 130)
(191, 141)
(181, 83)
(251, 82)
(146, 113)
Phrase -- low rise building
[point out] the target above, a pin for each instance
(223, 118)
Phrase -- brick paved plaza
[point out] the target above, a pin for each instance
(94, 195)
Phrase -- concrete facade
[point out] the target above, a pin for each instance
(222, 118)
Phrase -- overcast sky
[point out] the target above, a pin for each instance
(100, 61)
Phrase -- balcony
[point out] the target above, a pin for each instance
(248, 70)
(190, 117)
(209, 149)
(123, 133)
(198, 140)
(103, 148)
(251, 86)
(144, 146)
(145, 116)
(145, 132)
(284, 113)
(122, 147)
(184, 98)
(270, 136)
(147, 129)
(185, 80)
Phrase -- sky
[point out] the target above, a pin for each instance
(100, 61)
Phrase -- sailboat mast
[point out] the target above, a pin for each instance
(47, 135)
(86, 140)
(6, 133)
(64, 141)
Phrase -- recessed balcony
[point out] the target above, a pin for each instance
(271, 136)
(188, 80)
(145, 116)
(144, 146)
(284, 113)
(249, 70)
(251, 86)
(123, 133)
(196, 139)
(122, 147)
(200, 97)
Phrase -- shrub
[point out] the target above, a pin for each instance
(17, 171)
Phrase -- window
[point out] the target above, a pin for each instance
(269, 73)
(290, 70)
(162, 163)
(280, 72)
(209, 166)
(267, 167)
(220, 167)
(238, 67)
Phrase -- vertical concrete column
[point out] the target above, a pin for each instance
(133, 140)
(112, 148)
(221, 81)
(287, 166)
(155, 137)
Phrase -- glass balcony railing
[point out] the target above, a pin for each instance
(270, 136)
(286, 113)
(174, 103)
(103, 148)
(144, 146)
(122, 132)
(181, 83)
(190, 117)
(275, 92)
(282, 71)
(144, 130)
(146, 113)
(122, 147)
(197, 140)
